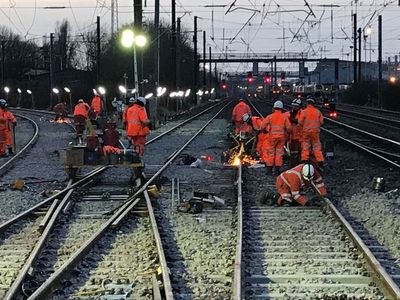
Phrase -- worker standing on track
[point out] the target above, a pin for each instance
(310, 121)
(131, 101)
(259, 128)
(237, 117)
(96, 105)
(294, 139)
(81, 114)
(60, 110)
(138, 122)
(278, 127)
(7, 119)
(290, 184)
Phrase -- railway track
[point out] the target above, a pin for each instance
(62, 237)
(365, 110)
(7, 162)
(304, 253)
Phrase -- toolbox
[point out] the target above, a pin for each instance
(72, 156)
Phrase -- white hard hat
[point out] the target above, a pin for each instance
(80, 101)
(3, 103)
(296, 103)
(246, 117)
(142, 99)
(132, 100)
(310, 100)
(278, 104)
(308, 172)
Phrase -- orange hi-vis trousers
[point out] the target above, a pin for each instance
(311, 143)
(274, 151)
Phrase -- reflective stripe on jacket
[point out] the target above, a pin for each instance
(311, 120)
(136, 117)
(277, 124)
(293, 179)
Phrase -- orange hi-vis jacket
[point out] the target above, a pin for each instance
(137, 121)
(311, 120)
(96, 104)
(239, 110)
(4, 122)
(11, 120)
(295, 182)
(278, 124)
(296, 128)
(82, 109)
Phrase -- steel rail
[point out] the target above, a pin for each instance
(184, 122)
(383, 277)
(364, 132)
(345, 114)
(237, 267)
(392, 122)
(393, 113)
(163, 261)
(30, 143)
(45, 289)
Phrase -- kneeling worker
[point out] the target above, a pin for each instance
(291, 182)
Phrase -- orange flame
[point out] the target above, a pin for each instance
(60, 120)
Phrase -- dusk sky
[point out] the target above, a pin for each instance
(268, 22)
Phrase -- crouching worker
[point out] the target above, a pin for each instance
(291, 183)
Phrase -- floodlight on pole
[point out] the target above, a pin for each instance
(67, 90)
(19, 91)
(122, 89)
(95, 92)
(129, 40)
(161, 91)
(172, 95)
(187, 93)
(56, 91)
(102, 90)
(29, 92)
(148, 96)
(6, 89)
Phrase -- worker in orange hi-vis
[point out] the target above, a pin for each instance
(278, 127)
(259, 128)
(291, 182)
(96, 105)
(4, 127)
(237, 117)
(310, 121)
(81, 114)
(294, 139)
(131, 101)
(138, 125)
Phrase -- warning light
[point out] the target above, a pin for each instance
(223, 85)
(250, 77)
(267, 78)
